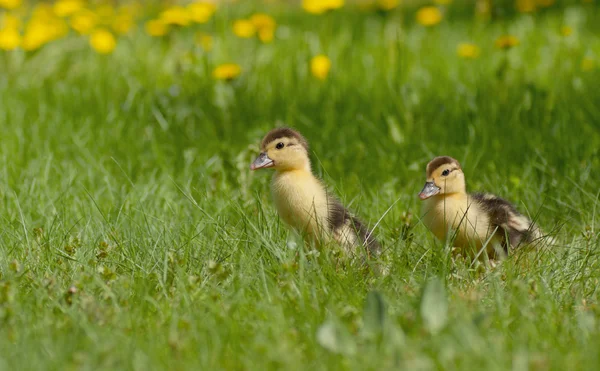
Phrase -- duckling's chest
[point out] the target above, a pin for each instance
(458, 216)
(301, 200)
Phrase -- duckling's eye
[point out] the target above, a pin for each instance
(280, 145)
(445, 172)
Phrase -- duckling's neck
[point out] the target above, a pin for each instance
(304, 168)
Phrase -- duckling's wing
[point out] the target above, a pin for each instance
(339, 217)
(513, 227)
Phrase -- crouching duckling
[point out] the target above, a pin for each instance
(301, 199)
(471, 219)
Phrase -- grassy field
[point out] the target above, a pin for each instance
(133, 235)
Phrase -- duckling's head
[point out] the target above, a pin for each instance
(444, 176)
(283, 149)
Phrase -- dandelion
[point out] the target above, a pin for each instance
(10, 39)
(429, 16)
(201, 12)
(387, 5)
(320, 66)
(176, 15)
(588, 64)
(156, 28)
(10, 4)
(65, 8)
(244, 28)
(227, 71)
(506, 42)
(84, 22)
(566, 31)
(204, 40)
(41, 29)
(265, 26)
(468, 50)
(525, 6)
(321, 6)
(103, 41)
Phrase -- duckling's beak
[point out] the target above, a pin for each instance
(430, 189)
(262, 162)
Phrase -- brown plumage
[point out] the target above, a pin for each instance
(301, 199)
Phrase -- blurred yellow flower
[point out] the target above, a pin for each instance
(566, 31)
(525, 6)
(103, 41)
(65, 8)
(10, 4)
(468, 50)
(84, 21)
(244, 28)
(506, 42)
(204, 40)
(10, 21)
(42, 29)
(105, 11)
(156, 28)
(176, 15)
(122, 23)
(429, 16)
(321, 6)
(201, 12)
(320, 66)
(588, 64)
(265, 26)
(387, 5)
(10, 39)
(227, 71)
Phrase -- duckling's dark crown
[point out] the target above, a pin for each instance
(284, 133)
(439, 161)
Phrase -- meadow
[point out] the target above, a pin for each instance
(134, 236)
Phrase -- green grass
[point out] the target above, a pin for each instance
(126, 177)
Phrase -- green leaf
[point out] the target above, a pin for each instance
(434, 306)
(374, 313)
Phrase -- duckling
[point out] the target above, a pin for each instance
(302, 200)
(471, 219)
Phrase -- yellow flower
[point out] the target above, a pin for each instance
(506, 42)
(201, 12)
(65, 8)
(468, 50)
(176, 15)
(265, 25)
(321, 6)
(566, 31)
(244, 28)
(227, 71)
(42, 29)
(429, 16)
(204, 40)
(10, 39)
(84, 21)
(10, 21)
(525, 6)
(10, 4)
(122, 23)
(587, 64)
(387, 5)
(103, 41)
(156, 28)
(320, 66)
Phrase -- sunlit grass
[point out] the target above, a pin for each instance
(134, 236)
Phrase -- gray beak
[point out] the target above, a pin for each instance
(430, 189)
(262, 162)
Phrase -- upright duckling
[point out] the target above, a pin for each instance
(471, 219)
(301, 199)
